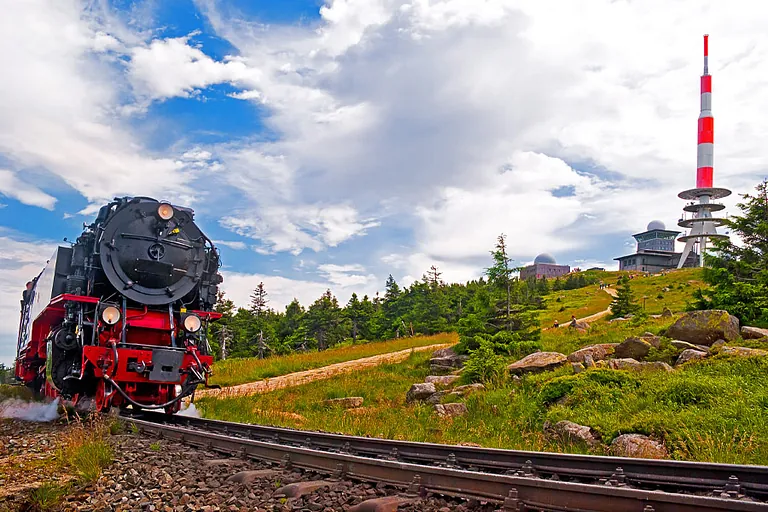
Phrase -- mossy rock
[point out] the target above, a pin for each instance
(705, 327)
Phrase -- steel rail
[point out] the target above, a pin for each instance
(516, 493)
(645, 473)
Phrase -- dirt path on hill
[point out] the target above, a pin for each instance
(303, 377)
(596, 316)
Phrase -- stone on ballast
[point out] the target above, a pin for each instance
(689, 354)
(420, 391)
(596, 352)
(705, 327)
(633, 347)
(638, 446)
(753, 333)
(443, 380)
(538, 362)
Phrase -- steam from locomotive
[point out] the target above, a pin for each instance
(121, 316)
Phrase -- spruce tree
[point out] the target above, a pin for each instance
(738, 274)
(624, 303)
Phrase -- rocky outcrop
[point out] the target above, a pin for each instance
(444, 352)
(753, 333)
(596, 352)
(451, 410)
(579, 325)
(436, 398)
(651, 338)
(442, 380)
(469, 388)
(684, 345)
(538, 362)
(689, 354)
(705, 327)
(638, 446)
(571, 432)
(420, 391)
(349, 402)
(743, 351)
(634, 365)
(577, 367)
(716, 346)
(634, 348)
(446, 364)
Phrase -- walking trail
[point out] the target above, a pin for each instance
(595, 316)
(306, 376)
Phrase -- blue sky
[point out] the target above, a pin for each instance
(329, 144)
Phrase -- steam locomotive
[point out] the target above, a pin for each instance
(120, 317)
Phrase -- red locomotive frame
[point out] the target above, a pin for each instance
(121, 355)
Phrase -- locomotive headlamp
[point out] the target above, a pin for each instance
(192, 323)
(165, 211)
(110, 315)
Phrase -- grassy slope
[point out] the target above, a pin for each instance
(589, 300)
(710, 411)
(239, 371)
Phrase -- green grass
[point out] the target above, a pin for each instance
(565, 340)
(673, 290)
(240, 371)
(581, 302)
(12, 391)
(46, 497)
(710, 411)
(85, 449)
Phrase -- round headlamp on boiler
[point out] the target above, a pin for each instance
(191, 323)
(110, 315)
(165, 211)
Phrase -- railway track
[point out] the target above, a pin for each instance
(516, 480)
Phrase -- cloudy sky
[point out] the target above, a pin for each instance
(326, 145)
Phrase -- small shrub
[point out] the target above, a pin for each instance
(484, 364)
(690, 392)
(46, 497)
(666, 352)
(85, 449)
(612, 378)
(660, 296)
(562, 308)
(155, 447)
(557, 388)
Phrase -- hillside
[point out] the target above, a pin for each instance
(708, 411)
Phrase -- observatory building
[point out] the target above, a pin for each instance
(544, 265)
(655, 251)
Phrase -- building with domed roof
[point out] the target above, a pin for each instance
(655, 251)
(544, 265)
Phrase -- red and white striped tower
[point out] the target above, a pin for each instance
(703, 225)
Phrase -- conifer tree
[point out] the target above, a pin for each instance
(259, 300)
(738, 274)
(624, 304)
(325, 322)
(354, 311)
